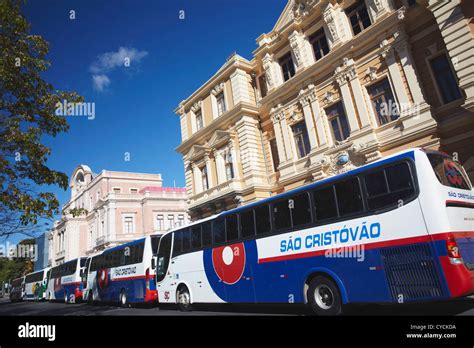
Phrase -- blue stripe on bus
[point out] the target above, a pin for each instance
(356, 171)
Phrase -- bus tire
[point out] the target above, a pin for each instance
(123, 299)
(183, 297)
(324, 297)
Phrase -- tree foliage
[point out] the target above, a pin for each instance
(27, 116)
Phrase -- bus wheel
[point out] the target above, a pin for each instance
(184, 299)
(324, 297)
(123, 299)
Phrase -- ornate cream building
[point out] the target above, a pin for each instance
(116, 207)
(334, 85)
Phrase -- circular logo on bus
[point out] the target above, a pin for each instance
(229, 262)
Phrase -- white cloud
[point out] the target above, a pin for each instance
(108, 61)
(100, 82)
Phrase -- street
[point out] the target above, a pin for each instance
(463, 306)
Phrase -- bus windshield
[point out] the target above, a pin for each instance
(449, 172)
(163, 257)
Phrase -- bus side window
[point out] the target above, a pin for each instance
(281, 214)
(262, 219)
(196, 237)
(218, 231)
(300, 210)
(232, 231)
(177, 244)
(389, 187)
(349, 197)
(325, 203)
(247, 226)
(186, 240)
(206, 234)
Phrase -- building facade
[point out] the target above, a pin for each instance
(112, 208)
(334, 85)
(43, 250)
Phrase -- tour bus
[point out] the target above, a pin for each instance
(65, 281)
(36, 284)
(123, 274)
(17, 289)
(398, 230)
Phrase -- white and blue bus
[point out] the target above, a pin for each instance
(65, 282)
(400, 229)
(36, 284)
(123, 274)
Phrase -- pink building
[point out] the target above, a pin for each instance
(113, 207)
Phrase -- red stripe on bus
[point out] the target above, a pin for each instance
(459, 204)
(375, 245)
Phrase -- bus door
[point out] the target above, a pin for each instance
(163, 278)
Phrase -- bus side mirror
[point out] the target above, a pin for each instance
(153, 263)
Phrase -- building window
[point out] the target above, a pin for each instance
(160, 223)
(171, 223)
(117, 190)
(300, 135)
(199, 121)
(445, 79)
(205, 182)
(262, 82)
(128, 224)
(133, 191)
(180, 220)
(358, 17)
(320, 44)
(274, 150)
(383, 102)
(411, 3)
(221, 107)
(229, 167)
(287, 66)
(338, 121)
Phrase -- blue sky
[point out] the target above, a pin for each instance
(170, 58)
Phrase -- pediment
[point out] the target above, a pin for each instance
(219, 138)
(197, 151)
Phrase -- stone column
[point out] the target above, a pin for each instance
(308, 118)
(359, 99)
(394, 71)
(401, 46)
(337, 25)
(220, 167)
(285, 129)
(377, 8)
(320, 128)
(347, 101)
(210, 174)
(197, 179)
(240, 86)
(279, 136)
(301, 50)
(272, 74)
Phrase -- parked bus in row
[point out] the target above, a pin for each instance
(398, 230)
(123, 274)
(65, 281)
(17, 289)
(36, 284)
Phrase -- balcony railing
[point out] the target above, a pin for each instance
(220, 190)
